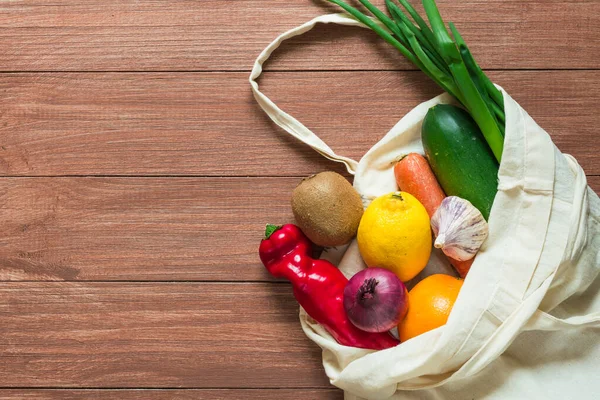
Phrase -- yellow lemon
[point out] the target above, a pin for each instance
(394, 234)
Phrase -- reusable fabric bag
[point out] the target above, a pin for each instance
(525, 324)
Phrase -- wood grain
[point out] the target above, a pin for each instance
(221, 35)
(131, 150)
(168, 229)
(164, 394)
(209, 124)
(138, 229)
(128, 335)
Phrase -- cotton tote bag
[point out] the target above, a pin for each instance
(525, 324)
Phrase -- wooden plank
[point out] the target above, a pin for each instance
(219, 35)
(160, 394)
(128, 335)
(209, 123)
(138, 229)
(164, 229)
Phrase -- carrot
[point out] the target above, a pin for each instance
(414, 176)
(462, 267)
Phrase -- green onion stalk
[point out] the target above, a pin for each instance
(444, 58)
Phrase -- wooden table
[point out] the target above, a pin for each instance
(138, 173)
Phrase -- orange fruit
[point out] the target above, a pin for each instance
(429, 305)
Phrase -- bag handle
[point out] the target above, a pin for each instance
(281, 118)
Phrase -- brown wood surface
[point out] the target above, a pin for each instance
(118, 229)
(137, 173)
(94, 35)
(138, 229)
(209, 124)
(172, 394)
(198, 335)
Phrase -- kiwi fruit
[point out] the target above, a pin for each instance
(327, 209)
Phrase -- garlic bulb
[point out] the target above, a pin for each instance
(459, 227)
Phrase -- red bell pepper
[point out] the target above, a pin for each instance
(318, 286)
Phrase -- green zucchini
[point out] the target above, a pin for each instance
(460, 157)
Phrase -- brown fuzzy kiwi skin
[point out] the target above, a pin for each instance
(327, 209)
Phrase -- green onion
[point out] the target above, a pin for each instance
(391, 25)
(385, 35)
(377, 29)
(429, 64)
(473, 100)
(478, 78)
(492, 90)
(428, 47)
(445, 59)
(420, 21)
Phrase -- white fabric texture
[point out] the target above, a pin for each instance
(525, 324)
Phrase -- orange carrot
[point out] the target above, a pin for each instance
(462, 267)
(414, 176)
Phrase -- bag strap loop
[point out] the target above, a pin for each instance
(281, 118)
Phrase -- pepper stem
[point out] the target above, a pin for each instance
(270, 229)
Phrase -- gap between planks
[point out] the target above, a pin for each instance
(266, 70)
(170, 176)
(174, 393)
(149, 388)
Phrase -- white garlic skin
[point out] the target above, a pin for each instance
(459, 227)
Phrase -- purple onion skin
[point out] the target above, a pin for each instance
(375, 300)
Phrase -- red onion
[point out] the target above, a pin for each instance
(375, 300)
